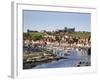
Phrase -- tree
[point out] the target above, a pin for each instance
(58, 38)
(65, 29)
(36, 36)
(27, 36)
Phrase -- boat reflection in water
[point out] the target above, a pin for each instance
(71, 58)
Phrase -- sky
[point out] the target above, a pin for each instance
(51, 21)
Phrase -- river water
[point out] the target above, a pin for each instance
(75, 59)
